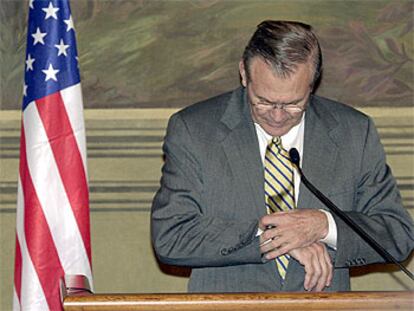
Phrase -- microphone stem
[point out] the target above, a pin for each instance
(363, 234)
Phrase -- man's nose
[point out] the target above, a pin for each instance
(278, 114)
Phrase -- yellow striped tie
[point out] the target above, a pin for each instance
(279, 187)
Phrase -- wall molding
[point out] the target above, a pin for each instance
(125, 156)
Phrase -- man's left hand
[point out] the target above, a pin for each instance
(286, 231)
(317, 265)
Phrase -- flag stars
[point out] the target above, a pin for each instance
(69, 23)
(62, 47)
(50, 11)
(31, 4)
(38, 36)
(29, 62)
(25, 90)
(50, 73)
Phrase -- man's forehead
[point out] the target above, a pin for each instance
(258, 66)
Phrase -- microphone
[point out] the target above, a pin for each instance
(295, 159)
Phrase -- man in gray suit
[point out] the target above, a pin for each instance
(211, 211)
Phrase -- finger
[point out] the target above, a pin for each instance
(307, 262)
(264, 242)
(329, 266)
(276, 243)
(277, 252)
(286, 232)
(297, 237)
(262, 226)
(265, 222)
(322, 265)
(269, 233)
(263, 239)
(309, 271)
(272, 219)
(317, 267)
(268, 246)
(321, 282)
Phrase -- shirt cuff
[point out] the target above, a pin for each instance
(331, 237)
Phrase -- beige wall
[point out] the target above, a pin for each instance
(124, 159)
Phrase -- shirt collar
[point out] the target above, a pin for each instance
(290, 139)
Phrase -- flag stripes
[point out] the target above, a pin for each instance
(17, 268)
(72, 99)
(43, 255)
(57, 208)
(63, 217)
(70, 165)
(31, 296)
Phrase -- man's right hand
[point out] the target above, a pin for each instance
(317, 264)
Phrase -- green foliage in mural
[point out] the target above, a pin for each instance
(172, 53)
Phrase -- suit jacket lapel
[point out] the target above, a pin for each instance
(241, 147)
(242, 150)
(320, 152)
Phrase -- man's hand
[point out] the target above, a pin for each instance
(317, 264)
(286, 231)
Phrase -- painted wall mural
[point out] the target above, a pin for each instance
(152, 53)
(169, 54)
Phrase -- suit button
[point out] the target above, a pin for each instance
(224, 251)
(361, 261)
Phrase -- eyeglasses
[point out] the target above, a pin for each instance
(289, 108)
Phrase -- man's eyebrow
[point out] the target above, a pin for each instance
(294, 102)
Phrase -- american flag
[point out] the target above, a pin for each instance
(52, 230)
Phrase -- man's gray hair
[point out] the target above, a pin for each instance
(284, 45)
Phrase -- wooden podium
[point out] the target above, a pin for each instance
(246, 302)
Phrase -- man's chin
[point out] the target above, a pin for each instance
(276, 130)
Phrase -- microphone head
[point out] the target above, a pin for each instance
(294, 156)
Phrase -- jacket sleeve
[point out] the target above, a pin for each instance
(377, 209)
(182, 233)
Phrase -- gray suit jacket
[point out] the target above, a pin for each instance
(206, 211)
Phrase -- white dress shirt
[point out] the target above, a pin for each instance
(294, 139)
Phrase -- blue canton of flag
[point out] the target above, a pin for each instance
(51, 57)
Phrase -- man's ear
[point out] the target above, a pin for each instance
(243, 73)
